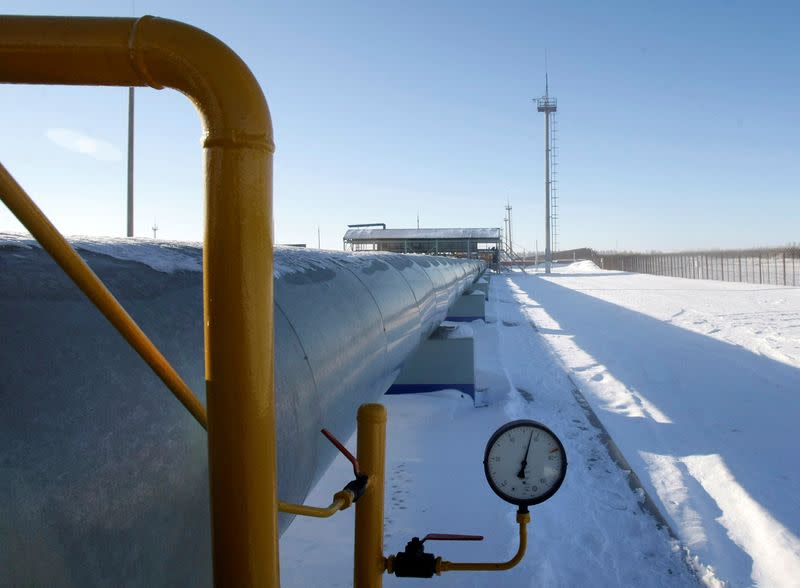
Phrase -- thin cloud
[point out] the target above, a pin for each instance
(81, 143)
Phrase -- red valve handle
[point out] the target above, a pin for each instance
(338, 444)
(450, 537)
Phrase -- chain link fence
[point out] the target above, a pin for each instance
(780, 267)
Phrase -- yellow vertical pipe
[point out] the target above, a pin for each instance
(368, 552)
(239, 368)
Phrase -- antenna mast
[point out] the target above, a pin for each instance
(548, 106)
(509, 240)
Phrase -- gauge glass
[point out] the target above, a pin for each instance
(525, 463)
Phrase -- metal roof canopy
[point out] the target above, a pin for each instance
(474, 234)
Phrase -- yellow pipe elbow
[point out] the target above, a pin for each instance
(341, 501)
(447, 566)
(237, 256)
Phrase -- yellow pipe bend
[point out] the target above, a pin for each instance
(341, 501)
(448, 566)
(237, 255)
(146, 51)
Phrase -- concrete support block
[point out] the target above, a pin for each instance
(482, 285)
(441, 362)
(468, 307)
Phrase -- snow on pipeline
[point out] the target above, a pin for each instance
(593, 532)
(698, 382)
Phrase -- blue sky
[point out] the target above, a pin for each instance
(678, 122)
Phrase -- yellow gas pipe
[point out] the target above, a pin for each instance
(341, 500)
(448, 566)
(237, 260)
(369, 563)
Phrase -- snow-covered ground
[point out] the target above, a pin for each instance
(698, 383)
(703, 417)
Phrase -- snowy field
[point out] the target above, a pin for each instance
(697, 383)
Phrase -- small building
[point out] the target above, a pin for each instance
(476, 243)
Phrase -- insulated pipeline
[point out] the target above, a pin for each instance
(107, 479)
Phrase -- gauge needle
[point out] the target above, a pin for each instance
(521, 472)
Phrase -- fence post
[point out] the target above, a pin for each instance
(769, 263)
(784, 268)
(740, 267)
(760, 276)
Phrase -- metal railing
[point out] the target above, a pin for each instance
(780, 267)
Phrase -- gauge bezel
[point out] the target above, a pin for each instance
(524, 502)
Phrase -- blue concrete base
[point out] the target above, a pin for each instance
(440, 363)
(419, 388)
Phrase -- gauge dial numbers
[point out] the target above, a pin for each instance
(525, 463)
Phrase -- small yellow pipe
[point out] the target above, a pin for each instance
(448, 566)
(369, 563)
(21, 205)
(341, 501)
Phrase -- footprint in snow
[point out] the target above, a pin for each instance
(612, 501)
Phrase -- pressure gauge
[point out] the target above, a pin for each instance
(525, 463)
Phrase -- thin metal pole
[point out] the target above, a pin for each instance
(130, 162)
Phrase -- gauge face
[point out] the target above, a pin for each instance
(525, 463)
